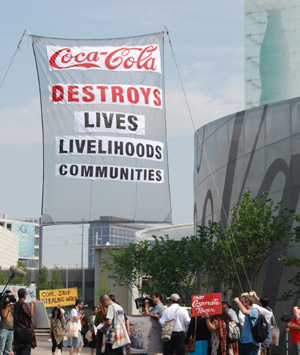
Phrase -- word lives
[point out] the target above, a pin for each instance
(114, 122)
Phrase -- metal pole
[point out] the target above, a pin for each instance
(82, 266)
(67, 270)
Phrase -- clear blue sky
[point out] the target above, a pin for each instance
(208, 41)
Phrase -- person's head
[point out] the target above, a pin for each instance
(105, 300)
(79, 304)
(226, 304)
(22, 293)
(95, 310)
(225, 316)
(56, 312)
(264, 301)
(247, 301)
(156, 297)
(113, 298)
(174, 298)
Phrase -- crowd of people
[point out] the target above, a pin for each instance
(212, 334)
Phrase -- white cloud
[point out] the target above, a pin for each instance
(205, 106)
(21, 125)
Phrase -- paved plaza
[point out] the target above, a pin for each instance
(44, 347)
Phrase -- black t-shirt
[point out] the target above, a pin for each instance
(202, 332)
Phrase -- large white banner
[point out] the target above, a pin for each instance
(104, 129)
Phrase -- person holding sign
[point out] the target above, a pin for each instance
(219, 339)
(56, 330)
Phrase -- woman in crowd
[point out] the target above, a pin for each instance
(56, 330)
(202, 335)
(93, 329)
(217, 325)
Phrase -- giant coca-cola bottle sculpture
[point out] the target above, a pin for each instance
(274, 61)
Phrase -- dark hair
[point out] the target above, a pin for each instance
(78, 302)
(58, 314)
(21, 292)
(264, 301)
(157, 294)
(95, 308)
(176, 301)
(112, 297)
(225, 316)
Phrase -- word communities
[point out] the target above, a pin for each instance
(108, 172)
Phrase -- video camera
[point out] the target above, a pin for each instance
(140, 302)
(6, 298)
(286, 318)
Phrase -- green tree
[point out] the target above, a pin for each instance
(127, 266)
(103, 288)
(18, 280)
(172, 267)
(3, 278)
(232, 258)
(43, 282)
(56, 282)
(293, 263)
(167, 266)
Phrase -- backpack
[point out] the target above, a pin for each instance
(260, 331)
(233, 331)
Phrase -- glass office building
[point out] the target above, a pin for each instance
(110, 232)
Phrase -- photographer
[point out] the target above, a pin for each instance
(157, 310)
(6, 323)
(294, 327)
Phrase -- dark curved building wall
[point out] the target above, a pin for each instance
(258, 148)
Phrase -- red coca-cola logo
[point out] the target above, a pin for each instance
(124, 58)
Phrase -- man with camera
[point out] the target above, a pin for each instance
(294, 327)
(6, 323)
(157, 311)
(248, 345)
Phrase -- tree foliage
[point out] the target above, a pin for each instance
(103, 288)
(232, 258)
(43, 282)
(3, 278)
(18, 280)
(166, 266)
(294, 263)
(226, 260)
(127, 266)
(57, 281)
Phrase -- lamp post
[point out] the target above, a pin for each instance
(67, 270)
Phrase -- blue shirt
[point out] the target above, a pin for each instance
(247, 336)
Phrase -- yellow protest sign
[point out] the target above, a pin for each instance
(63, 296)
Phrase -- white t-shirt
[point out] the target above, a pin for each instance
(116, 313)
(74, 313)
